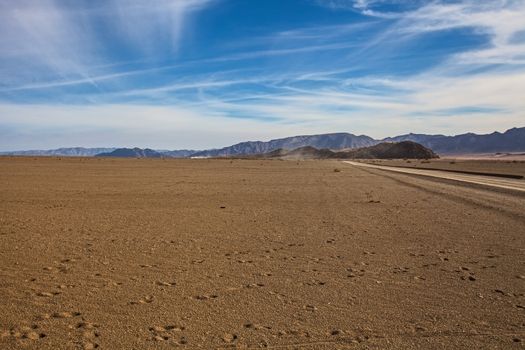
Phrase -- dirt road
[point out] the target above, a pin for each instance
(491, 181)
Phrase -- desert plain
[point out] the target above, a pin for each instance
(221, 254)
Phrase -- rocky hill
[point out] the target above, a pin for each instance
(388, 150)
(132, 153)
(181, 153)
(384, 150)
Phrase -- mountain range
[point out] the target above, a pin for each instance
(330, 141)
(512, 140)
(64, 152)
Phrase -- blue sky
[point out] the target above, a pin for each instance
(208, 73)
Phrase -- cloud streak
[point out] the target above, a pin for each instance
(45, 39)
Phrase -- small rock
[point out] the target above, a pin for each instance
(229, 338)
(32, 335)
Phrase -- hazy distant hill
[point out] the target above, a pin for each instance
(132, 153)
(181, 153)
(384, 150)
(90, 152)
(64, 152)
(331, 141)
(512, 140)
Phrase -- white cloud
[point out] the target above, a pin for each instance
(52, 126)
(499, 20)
(40, 35)
(215, 121)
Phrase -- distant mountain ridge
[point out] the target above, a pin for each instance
(331, 141)
(64, 152)
(512, 140)
(91, 152)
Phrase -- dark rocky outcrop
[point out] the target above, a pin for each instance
(132, 153)
(385, 150)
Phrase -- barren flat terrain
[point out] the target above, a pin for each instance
(212, 254)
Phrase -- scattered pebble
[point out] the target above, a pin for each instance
(229, 338)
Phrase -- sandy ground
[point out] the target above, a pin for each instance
(211, 254)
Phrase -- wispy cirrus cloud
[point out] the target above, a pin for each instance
(48, 39)
(151, 24)
(500, 21)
